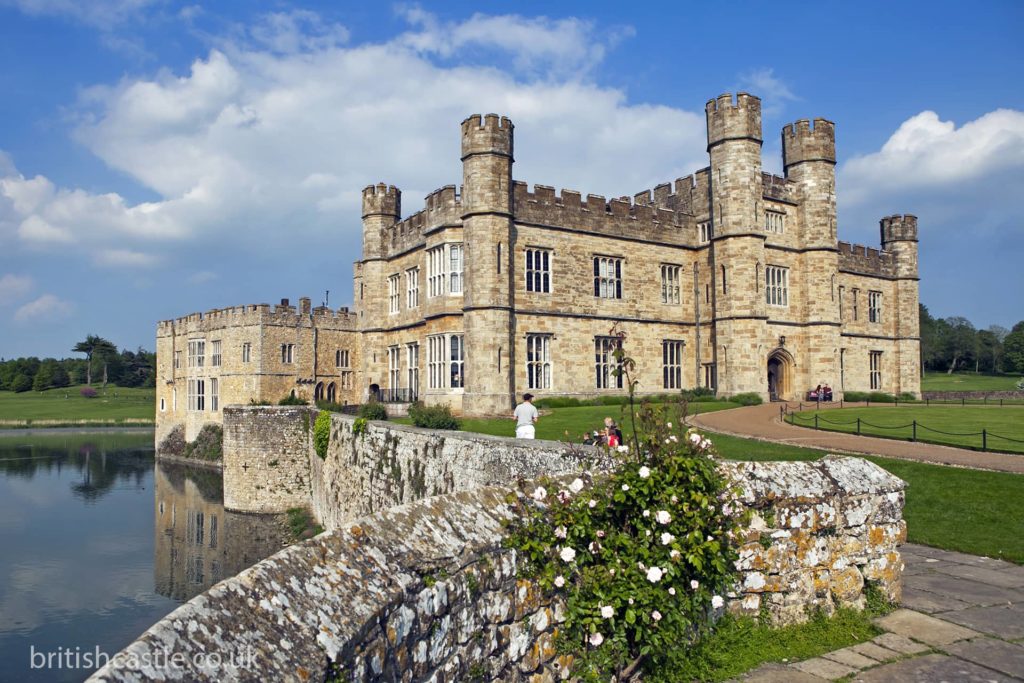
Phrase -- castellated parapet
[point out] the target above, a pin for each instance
(898, 229)
(729, 120)
(801, 142)
(490, 134)
(382, 200)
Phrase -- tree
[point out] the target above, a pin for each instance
(990, 352)
(1013, 348)
(960, 343)
(21, 383)
(95, 347)
(44, 378)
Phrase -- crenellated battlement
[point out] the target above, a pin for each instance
(382, 200)
(778, 187)
(864, 260)
(688, 195)
(636, 217)
(801, 142)
(898, 229)
(442, 207)
(491, 134)
(733, 120)
(258, 314)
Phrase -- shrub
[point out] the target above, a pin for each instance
(332, 406)
(872, 396)
(209, 444)
(291, 400)
(86, 392)
(747, 399)
(558, 402)
(907, 396)
(699, 394)
(254, 402)
(373, 411)
(322, 433)
(173, 443)
(433, 417)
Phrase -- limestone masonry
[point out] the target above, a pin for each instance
(426, 591)
(730, 278)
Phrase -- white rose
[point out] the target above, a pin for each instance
(717, 601)
(695, 438)
(673, 553)
(671, 591)
(561, 532)
(591, 503)
(559, 581)
(576, 486)
(567, 554)
(669, 425)
(694, 584)
(663, 517)
(607, 612)
(645, 472)
(540, 493)
(623, 449)
(647, 513)
(654, 574)
(667, 538)
(625, 487)
(596, 639)
(656, 615)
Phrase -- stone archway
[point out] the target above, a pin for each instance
(318, 392)
(332, 393)
(780, 375)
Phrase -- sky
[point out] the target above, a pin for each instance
(159, 158)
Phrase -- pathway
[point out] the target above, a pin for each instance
(764, 422)
(962, 620)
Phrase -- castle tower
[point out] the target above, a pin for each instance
(487, 233)
(899, 237)
(737, 253)
(809, 160)
(382, 207)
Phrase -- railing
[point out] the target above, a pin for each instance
(859, 423)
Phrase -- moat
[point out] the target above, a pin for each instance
(100, 541)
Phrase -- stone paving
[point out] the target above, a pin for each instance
(962, 619)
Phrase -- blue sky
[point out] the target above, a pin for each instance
(159, 158)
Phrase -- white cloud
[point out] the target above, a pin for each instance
(14, 287)
(118, 258)
(47, 308)
(928, 153)
(296, 31)
(201, 277)
(774, 93)
(102, 14)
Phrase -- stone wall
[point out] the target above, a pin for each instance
(426, 592)
(971, 395)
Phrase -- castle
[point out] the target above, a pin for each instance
(730, 278)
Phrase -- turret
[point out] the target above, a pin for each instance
(489, 253)
(899, 237)
(487, 164)
(734, 143)
(382, 207)
(809, 159)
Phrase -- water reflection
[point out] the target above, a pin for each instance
(99, 542)
(197, 542)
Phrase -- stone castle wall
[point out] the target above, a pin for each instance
(426, 591)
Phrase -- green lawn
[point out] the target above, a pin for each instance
(556, 423)
(951, 425)
(112, 405)
(968, 381)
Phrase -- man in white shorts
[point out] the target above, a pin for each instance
(525, 415)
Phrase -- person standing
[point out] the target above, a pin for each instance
(526, 416)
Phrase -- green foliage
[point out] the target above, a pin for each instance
(739, 644)
(359, 426)
(291, 400)
(322, 433)
(21, 383)
(747, 399)
(433, 417)
(641, 556)
(254, 402)
(700, 393)
(373, 411)
(332, 406)
(209, 444)
(174, 442)
(301, 524)
(871, 396)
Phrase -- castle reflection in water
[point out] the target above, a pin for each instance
(197, 542)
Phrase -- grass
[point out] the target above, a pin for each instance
(739, 644)
(113, 405)
(574, 421)
(968, 381)
(949, 425)
(970, 511)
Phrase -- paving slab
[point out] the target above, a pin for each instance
(898, 643)
(779, 673)
(934, 668)
(850, 658)
(1006, 658)
(824, 668)
(926, 564)
(876, 652)
(924, 601)
(1003, 621)
(924, 628)
(963, 589)
(1001, 577)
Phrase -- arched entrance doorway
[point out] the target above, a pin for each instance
(331, 393)
(318, 392)
(780, 375)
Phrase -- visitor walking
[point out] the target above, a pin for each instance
(526, 416)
